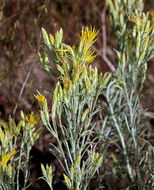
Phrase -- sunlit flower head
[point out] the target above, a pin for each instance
(5, 158)
(40, 98)
(87, 39)
(88, 36)
(32, 119)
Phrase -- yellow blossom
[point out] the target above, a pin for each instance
(32, 119)
(41, 99)
(5, 158)
(87, 39)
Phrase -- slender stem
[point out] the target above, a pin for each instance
(19, 164)
(132, 104)
(122, 141)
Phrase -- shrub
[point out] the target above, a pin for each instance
(76, 102)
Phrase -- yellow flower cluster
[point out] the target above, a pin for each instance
(4, 160)
(40, 98)
(32, 119)
(87, 39)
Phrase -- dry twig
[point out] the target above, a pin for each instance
(103, 55)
